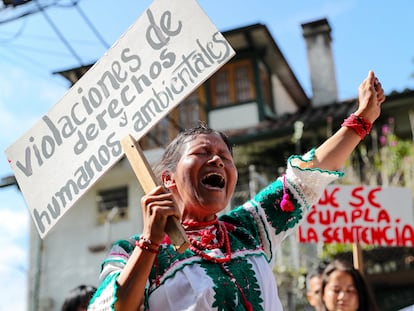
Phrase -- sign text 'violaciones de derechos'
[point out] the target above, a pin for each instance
(126, 92)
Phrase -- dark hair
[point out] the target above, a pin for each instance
(365, 295)
(78, 297)
(173, 151)
(315, 272)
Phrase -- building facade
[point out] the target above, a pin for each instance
(257, 100)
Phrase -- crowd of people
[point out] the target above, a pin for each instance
(339, 286)
(314, 285)
(229, 263)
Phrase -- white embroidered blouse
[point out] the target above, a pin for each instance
(255, 230)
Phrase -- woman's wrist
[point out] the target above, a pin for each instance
(147, 245)
(359, 124)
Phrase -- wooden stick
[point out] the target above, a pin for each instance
(146, 178)
(358, 257)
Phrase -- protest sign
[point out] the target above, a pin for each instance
(361, 214)
(167, 53)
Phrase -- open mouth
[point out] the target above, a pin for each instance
(213, 180)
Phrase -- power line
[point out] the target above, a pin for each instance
(22, 10)
(39, 50)
(89, 23)
(31, 64)
(58, 33)
(16, 35)
(8, 181)
(40, 7)
(8, 36)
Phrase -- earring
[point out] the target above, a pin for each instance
(167, 181)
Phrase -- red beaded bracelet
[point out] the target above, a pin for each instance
(361, 126)
(147, 245)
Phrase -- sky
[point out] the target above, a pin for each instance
(366, 35)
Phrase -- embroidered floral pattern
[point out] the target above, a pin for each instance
(235, 286)
(244, 274)
(270, 199)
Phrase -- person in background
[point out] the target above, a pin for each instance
(314, 285)
(229, 263)
(344, 288)
(78, 298)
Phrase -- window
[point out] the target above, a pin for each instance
(160, 133)
(233, 84)
(189, 111)
(112, 204)
(222, 88)
(158, 136)
(243, 85)
(186, 115)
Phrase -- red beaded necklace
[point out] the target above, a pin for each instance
(207, 236)
(200, 224)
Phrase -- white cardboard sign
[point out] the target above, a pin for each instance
(361, 214)
(167, 53)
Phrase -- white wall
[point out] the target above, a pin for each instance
(239, 116)
(283, 103)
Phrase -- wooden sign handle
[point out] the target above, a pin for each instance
(146, 178)
(358, 257)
